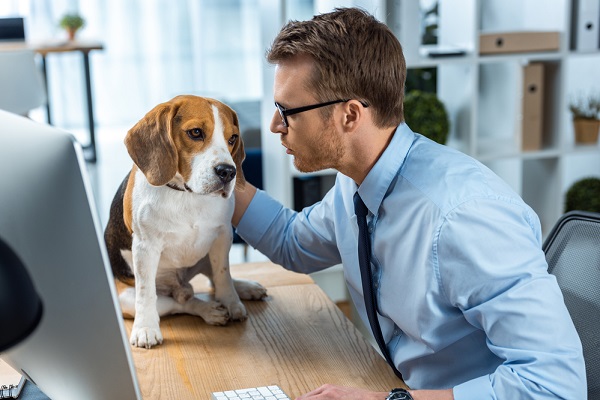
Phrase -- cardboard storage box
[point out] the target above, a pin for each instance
(532, 122)
(518, 42)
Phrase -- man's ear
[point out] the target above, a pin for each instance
(353, 114)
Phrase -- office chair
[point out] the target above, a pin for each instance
(573, 254)
(22, 86)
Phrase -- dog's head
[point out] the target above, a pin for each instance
(193, 140)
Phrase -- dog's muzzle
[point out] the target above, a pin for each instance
(225, 172)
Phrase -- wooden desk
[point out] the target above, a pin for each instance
(297, 339)
(84, 47)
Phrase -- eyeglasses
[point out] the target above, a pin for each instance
(284, 112)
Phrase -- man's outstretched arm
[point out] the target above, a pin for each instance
(243, 197)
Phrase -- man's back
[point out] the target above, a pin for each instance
(463, 292)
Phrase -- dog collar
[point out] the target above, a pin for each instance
(185, 188)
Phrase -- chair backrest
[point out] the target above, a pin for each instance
(21, 83)
(573, 254)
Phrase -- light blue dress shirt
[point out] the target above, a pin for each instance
(463, 290)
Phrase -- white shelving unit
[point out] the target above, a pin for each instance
(485, 102)
(482, 94)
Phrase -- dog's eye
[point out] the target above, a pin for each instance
(233, 139)
(196, 134)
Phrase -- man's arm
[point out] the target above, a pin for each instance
(491, 266)
(243, 197)
(334, 392)
(302, 242)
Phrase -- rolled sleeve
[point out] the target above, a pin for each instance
(257, 219)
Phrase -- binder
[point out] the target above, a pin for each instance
(532, 107)
(404, 19)
(585, 25)
(518, 42)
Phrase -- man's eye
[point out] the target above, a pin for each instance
(233, 139)
(196, 134)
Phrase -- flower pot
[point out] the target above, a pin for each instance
(71, 33)
(586, 130)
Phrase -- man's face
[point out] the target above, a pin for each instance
(314, 142)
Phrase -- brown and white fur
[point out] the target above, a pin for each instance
(171, 217)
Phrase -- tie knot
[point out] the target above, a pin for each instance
(360, 209)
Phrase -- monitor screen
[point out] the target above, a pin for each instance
(48, 217)
(12, 29)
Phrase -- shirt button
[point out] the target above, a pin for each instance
(396, 331)
(376, 285)
(370, 229)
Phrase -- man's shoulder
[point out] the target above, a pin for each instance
(449, 177)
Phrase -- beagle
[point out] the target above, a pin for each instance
(171, 217)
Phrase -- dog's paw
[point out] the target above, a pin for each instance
(212, 312)
(237, 311)
(217, 314)
(249, 290)
(145, 337)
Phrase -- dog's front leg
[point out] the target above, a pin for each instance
(225, 292)
(146, 331)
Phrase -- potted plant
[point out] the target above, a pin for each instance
(425, 113)
(586, 118)
(584, 195)
(72, 23)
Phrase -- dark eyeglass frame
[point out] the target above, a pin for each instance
(284, 112)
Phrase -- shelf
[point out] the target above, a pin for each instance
(584, 53)
(434, 62)
(582, 149)
(520, 57)
(491, 149)
(484, 95)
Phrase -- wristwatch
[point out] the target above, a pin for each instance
(399, 394)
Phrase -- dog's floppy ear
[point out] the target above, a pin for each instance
(151, 147)
(238, 154)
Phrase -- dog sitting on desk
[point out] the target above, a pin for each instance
(171, 217)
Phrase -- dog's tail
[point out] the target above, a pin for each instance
(117, 237)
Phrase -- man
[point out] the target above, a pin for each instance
(466, 307)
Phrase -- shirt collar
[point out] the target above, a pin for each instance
(380, 177)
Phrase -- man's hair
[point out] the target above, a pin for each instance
(355, 56)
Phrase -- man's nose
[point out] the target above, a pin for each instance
(277, 123)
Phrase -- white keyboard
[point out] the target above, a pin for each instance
(257, 393)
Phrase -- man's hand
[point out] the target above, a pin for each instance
(333, 392)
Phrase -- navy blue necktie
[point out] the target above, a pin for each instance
(364, 259)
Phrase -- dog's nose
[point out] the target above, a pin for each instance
(225, 172)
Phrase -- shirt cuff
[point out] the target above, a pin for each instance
(257, 219)
(475, 389)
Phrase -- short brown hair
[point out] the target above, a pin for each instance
(356, 57)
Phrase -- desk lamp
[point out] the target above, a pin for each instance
(20, 305)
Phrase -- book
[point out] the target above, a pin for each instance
(585, 25)
(11, 382)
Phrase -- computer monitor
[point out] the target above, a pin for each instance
(12, 29)
(48, 217)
